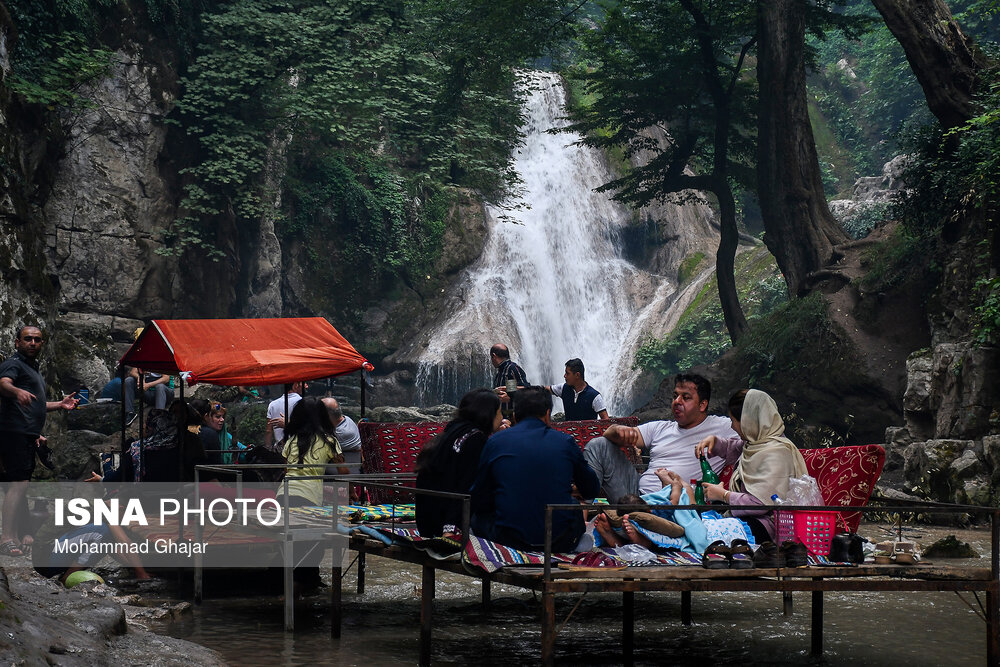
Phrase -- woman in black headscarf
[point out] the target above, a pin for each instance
(449, 462)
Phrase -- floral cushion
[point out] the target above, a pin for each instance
(846, 475)
(393, 447)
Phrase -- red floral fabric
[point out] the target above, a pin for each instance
(393, 447)
(846, 475)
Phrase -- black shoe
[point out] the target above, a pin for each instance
(796, 554)
(768, 555)
(45, 457)
(129, 418)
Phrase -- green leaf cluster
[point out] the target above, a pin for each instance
(56, 51)
(646, 78)
(700, 336)
(428, 87)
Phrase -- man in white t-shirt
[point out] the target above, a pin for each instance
(348, 434)
(670, 443)
(276, 416)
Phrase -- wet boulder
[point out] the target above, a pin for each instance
(103, 418)
(950, 547)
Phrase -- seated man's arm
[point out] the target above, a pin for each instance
(163, 379)
(625, 436)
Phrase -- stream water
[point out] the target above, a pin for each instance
(381, 627)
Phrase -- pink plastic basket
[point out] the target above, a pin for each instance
(813, 529)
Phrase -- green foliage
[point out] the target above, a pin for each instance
(892, 262)
(688, 266)
(429, 85)
(251, 427)
(775, 341)
(57, 51)
(700, 336)
(358, 209)
(866, 91)
(56, 82)
(866, 218)
(986, 328)
(638, 75)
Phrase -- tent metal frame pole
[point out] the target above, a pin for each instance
(181, 431)
(139, 404)
(363, 392)
(288, 388)
(124, 447)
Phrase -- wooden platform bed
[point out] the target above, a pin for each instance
(550, 581)
(846, 476)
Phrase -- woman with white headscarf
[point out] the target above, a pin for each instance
(765, 460)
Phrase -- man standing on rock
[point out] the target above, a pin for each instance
(580, 400)
(507, 371)
(22, 416)
(670, 444)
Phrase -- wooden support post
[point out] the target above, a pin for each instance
(487, 594)
(686, 607)
(993, 595)
(817, 623)
(628, 626)
(426, 611)
(361, 573)
(336, 600)
(786, 602)
(289, 588)
(548, 628)
(992, 629)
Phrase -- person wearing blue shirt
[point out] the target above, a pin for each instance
(524, 468)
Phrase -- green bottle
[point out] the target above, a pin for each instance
(699, 492)
(708, 475)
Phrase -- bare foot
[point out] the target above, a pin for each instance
(603, 528)
(634, 535)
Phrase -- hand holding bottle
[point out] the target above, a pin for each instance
(705, 446)
(714, 492)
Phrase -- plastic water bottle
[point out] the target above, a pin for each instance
(776, 500)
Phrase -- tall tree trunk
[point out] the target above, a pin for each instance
(725, 256)
(799, 229)
(945, 61)
(725, 262)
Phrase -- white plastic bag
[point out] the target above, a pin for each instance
(804, 491)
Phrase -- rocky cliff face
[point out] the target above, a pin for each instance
(85, 197)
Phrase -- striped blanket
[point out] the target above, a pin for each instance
(358, 513)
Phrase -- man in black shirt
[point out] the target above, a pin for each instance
(506, 370)
(22, 416)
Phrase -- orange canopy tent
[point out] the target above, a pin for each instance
(251, 352)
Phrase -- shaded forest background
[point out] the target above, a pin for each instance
(325, 156)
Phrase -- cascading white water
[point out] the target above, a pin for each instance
(551, 283)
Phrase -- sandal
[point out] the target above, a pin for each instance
(741, 554)
(905, 553)
(717, 556)
(11, 548)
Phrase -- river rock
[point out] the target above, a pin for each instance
(396, 414)
(75, 453)
(46, 624)
(950, 547)
(103, 418)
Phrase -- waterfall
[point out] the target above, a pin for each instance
(552, 283)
